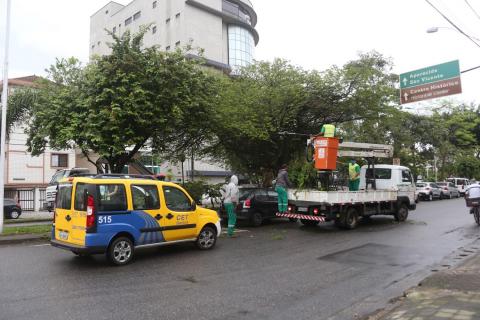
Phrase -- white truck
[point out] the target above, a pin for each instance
(384, 190)
(51, 191)
(394, 195)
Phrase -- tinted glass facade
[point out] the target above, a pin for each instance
(241, 47)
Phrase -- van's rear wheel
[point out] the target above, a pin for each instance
(402, 213)
(120, 251)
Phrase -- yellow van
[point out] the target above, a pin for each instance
(115, 214)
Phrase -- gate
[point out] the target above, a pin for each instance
(25, 197)
(43, 199)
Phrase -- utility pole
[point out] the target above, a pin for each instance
(4, 116)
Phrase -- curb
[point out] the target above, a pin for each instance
(15, 221)
(21, 238)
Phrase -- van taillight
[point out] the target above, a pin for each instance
(247, 204)
(90, 211)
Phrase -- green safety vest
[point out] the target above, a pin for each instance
(328, 130)
(352, 171)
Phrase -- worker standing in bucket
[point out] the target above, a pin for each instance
(354, 175)
(328, 131)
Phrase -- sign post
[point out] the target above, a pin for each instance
(432, 82)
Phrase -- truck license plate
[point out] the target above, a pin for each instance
(302, 209)
(63, 235)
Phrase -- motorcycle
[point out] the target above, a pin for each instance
(474, 204)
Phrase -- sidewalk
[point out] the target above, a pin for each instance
(447, 294)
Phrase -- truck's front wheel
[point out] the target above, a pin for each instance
(402, 213)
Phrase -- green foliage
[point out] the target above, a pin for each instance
(198, 188)
(121, 102)
(302, 174)
(268, 100)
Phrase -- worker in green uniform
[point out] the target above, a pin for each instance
(328, 131)
(354, 174)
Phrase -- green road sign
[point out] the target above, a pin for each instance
(431, 74)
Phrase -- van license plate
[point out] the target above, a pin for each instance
(302, 209)
(63, 235)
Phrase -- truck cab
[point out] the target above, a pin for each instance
(390, 177)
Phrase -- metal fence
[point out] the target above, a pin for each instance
(26, 198)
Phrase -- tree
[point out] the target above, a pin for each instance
(122, 102)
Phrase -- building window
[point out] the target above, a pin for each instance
(167, 21)
(137, 15)
(154, 29)
(128, 21)
(59, 160)
(177, 15)
(167, 48)
(177, 44)
(235, 10)
(241, 47)
(114, 30)
(154, 4)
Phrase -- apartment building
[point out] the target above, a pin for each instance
(223, 29)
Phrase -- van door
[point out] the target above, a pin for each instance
(179, 213)
(146, 203)
(70, 224)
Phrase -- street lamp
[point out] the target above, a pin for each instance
(435, 29)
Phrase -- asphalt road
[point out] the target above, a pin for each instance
(278, 271)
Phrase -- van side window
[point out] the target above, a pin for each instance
(112, 197)
(145, 197)
(176, 200)
(80, 200)
(406, 176)
(64, 196)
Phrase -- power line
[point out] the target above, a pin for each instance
(475, 12)
(453, 24)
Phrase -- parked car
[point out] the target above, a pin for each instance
(448, 190)
(11, 209)
(255, 205)
(428, 191)
(460, 183)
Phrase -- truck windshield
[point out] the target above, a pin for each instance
(57, 177)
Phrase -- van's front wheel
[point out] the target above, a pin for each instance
(207, 238)
(120, 251)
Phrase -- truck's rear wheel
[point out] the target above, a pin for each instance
(351, 218)
(402, 213)
(309, 223)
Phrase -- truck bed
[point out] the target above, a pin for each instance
(341, 197)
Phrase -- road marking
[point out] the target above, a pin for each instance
(40, 245)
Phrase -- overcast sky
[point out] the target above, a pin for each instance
(314, 34)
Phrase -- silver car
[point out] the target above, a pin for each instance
(448, 190)
(428, 191)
